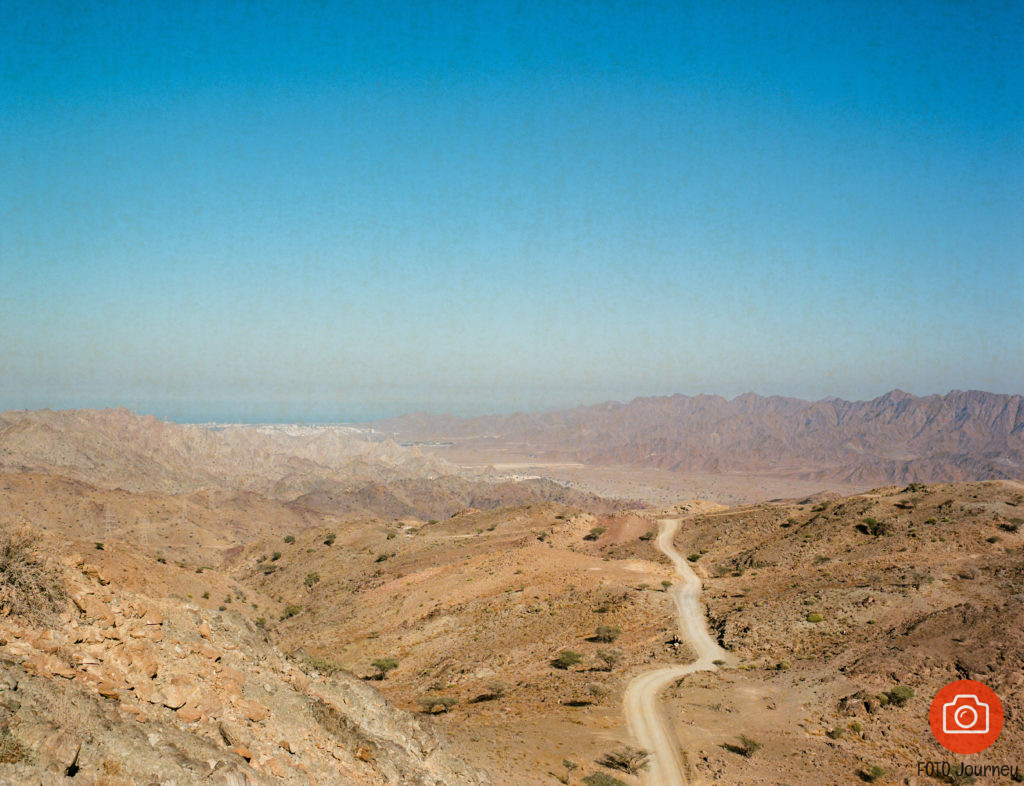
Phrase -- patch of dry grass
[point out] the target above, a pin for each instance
(29, 587)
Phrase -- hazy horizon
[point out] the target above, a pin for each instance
(326, 414)
(505, 206)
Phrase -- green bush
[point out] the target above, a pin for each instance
(871, 773)
(565, 659)
(595, 533)
(900, 695)
(693, 557)
(814, 617)
(627, 759)
(275, 556)
(382, 557)
(747, 746)
(329, 540)
(289, 539)
(311, 579)
(291, 611)
(383, 666)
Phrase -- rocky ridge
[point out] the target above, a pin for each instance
(125, 688)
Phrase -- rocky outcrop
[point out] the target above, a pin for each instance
(129, 688)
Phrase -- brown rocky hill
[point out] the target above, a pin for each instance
(117, 448)
(832, 606)
(108, 680)
(896, 438)
(911, 586)
(325, 468)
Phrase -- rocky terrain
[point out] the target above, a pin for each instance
(348, 635)
(834, 605)
(325, 468)
(896, 438)
(103, 683)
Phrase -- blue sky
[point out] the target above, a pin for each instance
(322, 210)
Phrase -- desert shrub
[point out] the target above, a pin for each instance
(275, 556)
(311, 579)
(747, 746)
(874, 527)
(206, 595)
(595, 533)
(782, 665)
(814, 617)
(435, 704)
(495, 689)
(291, 611)
(11, 750)
(268, 569)
(693, 557)
(871, 773)
(607, 633)
(602, 779)
(900, 695)
(627, 759)
(595, 690)
(322, 665)
(289, 539)
(261, 623)
(432, 521)
(1010, 526)
(329, 540)
(382, 557)
(856, 727)
(383, 666)
(29, 588)
(610, 658)
(835, 734)
(647, 535)
(968, 572)
(565, 659)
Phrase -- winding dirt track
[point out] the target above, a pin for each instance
(643, 715)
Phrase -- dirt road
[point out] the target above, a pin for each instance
(646, 721)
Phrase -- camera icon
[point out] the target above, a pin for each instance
(966, 714)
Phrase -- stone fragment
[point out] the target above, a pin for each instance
(189, 714)
(232, 736)
(175, 696)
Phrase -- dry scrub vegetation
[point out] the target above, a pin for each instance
(29, 588)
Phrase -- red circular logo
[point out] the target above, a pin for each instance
(966, 716)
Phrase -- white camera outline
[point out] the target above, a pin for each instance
(974, 701)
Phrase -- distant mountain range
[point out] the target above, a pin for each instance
(896, 438)
(332, 469)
